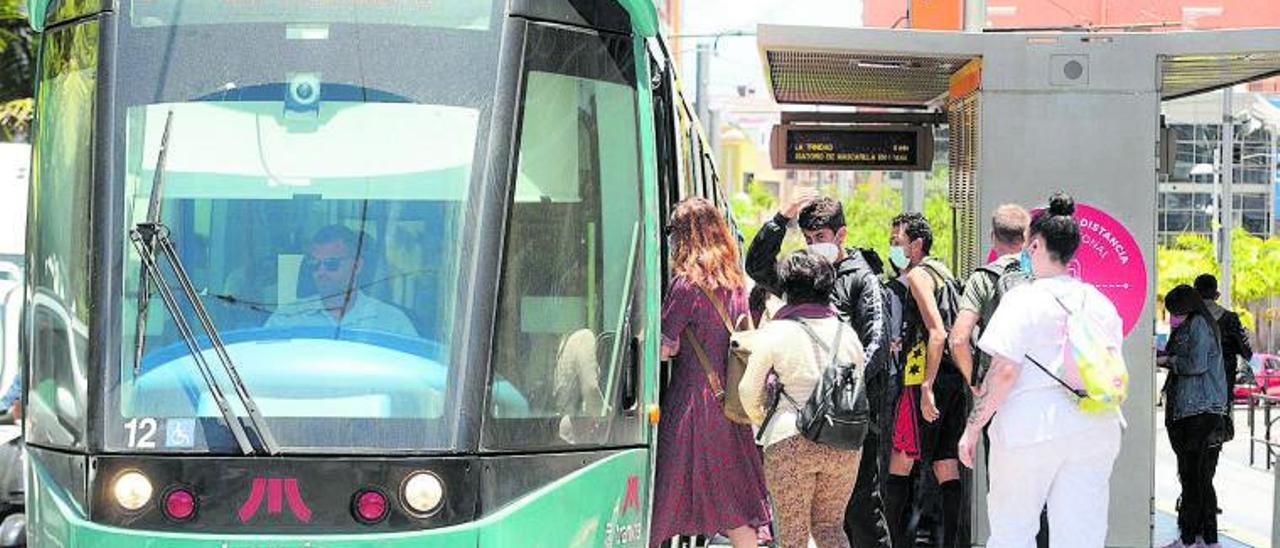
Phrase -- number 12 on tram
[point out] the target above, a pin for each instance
(319, 273)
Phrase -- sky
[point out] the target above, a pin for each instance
(736, 60)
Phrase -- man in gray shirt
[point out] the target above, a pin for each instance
(334, 265)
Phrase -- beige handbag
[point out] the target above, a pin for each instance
(735, 363)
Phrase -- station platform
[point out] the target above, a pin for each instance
(1245, 493)
(1166, 529)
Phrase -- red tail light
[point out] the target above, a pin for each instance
(180, 504)
(369, 506)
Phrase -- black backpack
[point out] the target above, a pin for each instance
(837, 413)
(946, 292)
(1005, 278)
(873, 260)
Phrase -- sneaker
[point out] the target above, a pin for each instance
(1177, 543)
(1214, 545)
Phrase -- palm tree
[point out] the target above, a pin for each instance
(17, 71)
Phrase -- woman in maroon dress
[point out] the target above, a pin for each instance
(710, 476)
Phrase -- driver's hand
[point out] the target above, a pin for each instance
(802, 198)
(16, 410)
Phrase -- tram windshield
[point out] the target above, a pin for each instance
(317, 200)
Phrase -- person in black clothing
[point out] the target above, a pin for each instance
(858, 300)
(929, 430)
(1196, 411)
(1235, 340)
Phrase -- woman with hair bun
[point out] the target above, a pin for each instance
(1044, 448)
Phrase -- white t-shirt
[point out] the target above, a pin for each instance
(1031, 322)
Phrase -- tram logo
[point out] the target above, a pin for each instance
(632, 497)
(626, 528)
(277, 492)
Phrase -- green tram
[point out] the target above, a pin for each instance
(484, 183)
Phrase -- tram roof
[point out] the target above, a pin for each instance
(913, 68)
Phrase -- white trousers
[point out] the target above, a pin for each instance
(1071, 474)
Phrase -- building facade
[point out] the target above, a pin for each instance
(1187, 201)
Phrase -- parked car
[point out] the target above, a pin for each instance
(1261, 377)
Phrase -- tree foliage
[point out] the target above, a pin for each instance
(17, 70)
(15, 118)
(869, 211)
(1255, 267)
(941, 216)
(752, 209)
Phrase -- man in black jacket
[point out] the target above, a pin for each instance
(859, 300)
(1235, 341)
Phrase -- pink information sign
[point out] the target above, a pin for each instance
(1110, 259)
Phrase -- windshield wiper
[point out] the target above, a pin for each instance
(153, 214)
(151, 236)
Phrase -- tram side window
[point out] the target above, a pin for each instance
(70, 9)
(667, 146)
(687, 174)
(58, 259)
(574, 232)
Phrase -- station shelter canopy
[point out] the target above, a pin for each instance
(912, 69)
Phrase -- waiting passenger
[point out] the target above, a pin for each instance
(709, 477)
(857, 299)
(1235, 340)
(759, 302)
(1196, 413)
(981, 296)
(334, 266)
(930, 411)
(985, 287)
(1044, 448)
(811, 483)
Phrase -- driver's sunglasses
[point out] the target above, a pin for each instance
(331, 264)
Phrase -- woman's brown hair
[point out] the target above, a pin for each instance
(703, 249)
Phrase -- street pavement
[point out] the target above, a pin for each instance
(1245, 493)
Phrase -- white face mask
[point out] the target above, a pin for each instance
(830, 251)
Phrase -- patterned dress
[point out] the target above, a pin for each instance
(710, 473)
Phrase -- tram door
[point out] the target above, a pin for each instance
(685, 168)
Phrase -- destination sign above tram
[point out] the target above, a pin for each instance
(870, 147)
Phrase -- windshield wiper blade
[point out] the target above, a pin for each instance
(153, 216)
(151, 237)
(143, 238)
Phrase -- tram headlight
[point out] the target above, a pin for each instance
(132, 490)
(422, 493)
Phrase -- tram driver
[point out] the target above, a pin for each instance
(334, 265)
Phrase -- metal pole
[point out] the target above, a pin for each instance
(975, 15)
(912, 192)
(1275, 506)
(1215, 219)
(1227, 207)
(712, 122)
(702, 103)
(1271, 168)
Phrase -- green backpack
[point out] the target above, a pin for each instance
(1093, 367)
(1005, 279)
